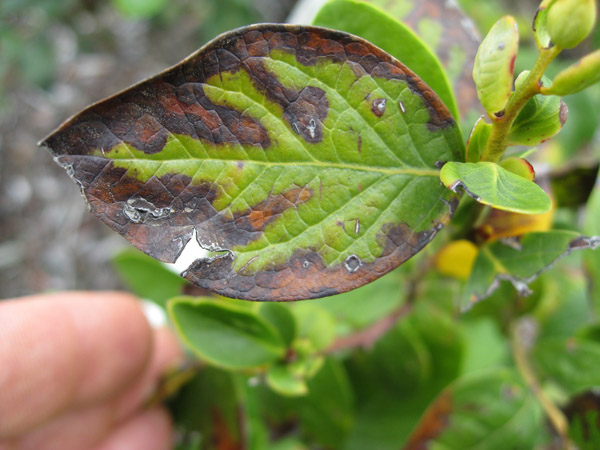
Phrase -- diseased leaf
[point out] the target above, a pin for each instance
(225, 335)
(478, 140)
(573, 363)
(306, 157)
(491, 184)
(576, 77)
(491, 410)
(541, 118)
(495, 64)
(520, 261)
(358, 17)
(451, 35)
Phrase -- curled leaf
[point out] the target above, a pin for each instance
(519, 166)
(520, 261)
(491, 184)
(477, 140)
(540, 25)
(495, 64)
(304, 158)
(541, 118)
(576, 77)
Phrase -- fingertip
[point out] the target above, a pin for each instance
(150, 430)
(91, 345)
(116, 341)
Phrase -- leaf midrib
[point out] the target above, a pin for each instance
(326, 165)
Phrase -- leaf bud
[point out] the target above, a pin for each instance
(570, 21)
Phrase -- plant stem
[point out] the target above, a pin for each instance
(498, 139)
(521, 342)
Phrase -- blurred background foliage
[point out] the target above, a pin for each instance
(58, 56)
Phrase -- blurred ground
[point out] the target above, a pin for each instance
(56, 57)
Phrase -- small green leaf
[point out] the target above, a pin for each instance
(315, 325)
(519, 166)
(283, 380)
(477, 140)
(223, 334)
(576, 77)
(520, 261)
(491, 184)
(491, 410)
(494, 65)
(146, 277)
(541, 118)
(281, 318)
(573, 363)
(540, 25)
(358, 17)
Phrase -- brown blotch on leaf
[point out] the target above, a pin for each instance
(269, 209)
(432, 424)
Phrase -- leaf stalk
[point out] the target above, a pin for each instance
(501, 125)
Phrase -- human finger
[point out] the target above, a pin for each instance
(67, 350)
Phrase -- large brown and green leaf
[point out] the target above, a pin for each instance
(305, 158)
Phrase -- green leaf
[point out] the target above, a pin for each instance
(322, 417)
(520, 261)
(478, 140)
(491, 184)
(403, 373)
(492, 410)
(304, 159)
(139, 9)
(362, 306)
(541, 118)
(540, 25)
(576, 77)
(223, 334)
(210, 405)
(282, 379)
(281, 318)
(573, 363)
(494, 65)
(592, 259)
(315, 325)
(358, 17)
(147, 277)
(518, 166)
